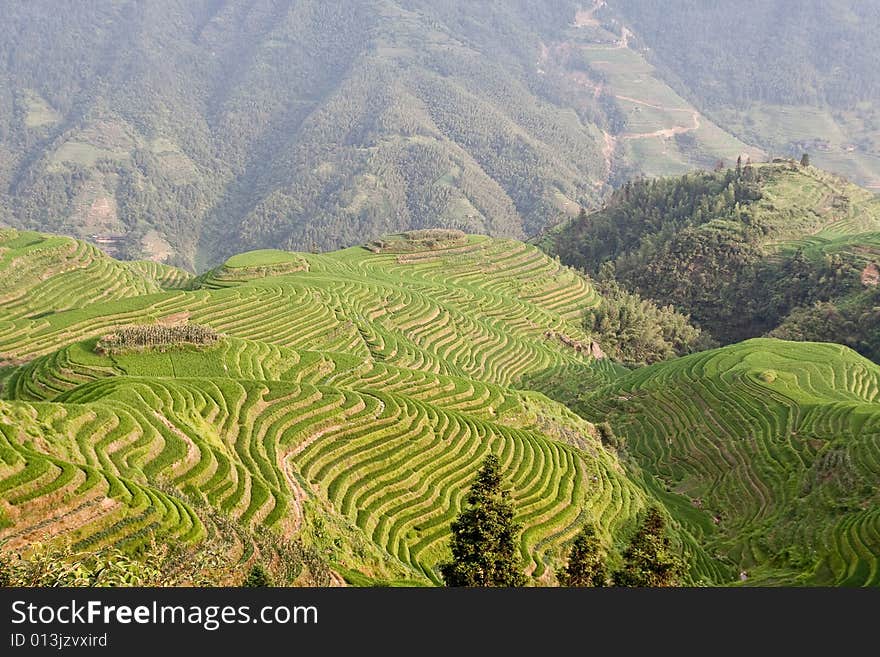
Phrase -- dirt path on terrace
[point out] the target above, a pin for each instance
(652, 105)
(666, 132)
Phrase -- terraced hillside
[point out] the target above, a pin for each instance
(354, 393)
(348, 398)
(769, 451)
(44, 274)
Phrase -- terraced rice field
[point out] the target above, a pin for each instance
(769, 450)
(353, 395)
(372, 385)
(817, 212)
(44, 274)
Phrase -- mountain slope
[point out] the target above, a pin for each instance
(740, 249)
(45, 274)
(295, 123)
(769, 450)
(187, 132)
(346, 399)
(786, 81)
(380, 455)
(378, 381)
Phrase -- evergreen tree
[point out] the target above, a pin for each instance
(586, 561)
(257, 577)
(649, 560)
(484, 536)
(805, 160)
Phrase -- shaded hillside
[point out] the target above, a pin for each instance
(769, 451)
(223, 126)
(739, 250)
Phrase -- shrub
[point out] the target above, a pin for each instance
(138, 337)
(257, 577)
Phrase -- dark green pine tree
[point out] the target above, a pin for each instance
(484, 536)
(649, 559)
(805, 160)
(586, 561)
(257, 577)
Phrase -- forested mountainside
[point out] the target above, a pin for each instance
(202, 128)
(778, 247)
(183, 132)
(323, 415)
(818, 52)
(788, 77)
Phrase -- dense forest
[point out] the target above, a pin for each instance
(737, 249)
(204, 128)
(185, 132)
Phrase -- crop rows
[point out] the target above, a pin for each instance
(395, 466)
(776, 441)
(371, 384)
(43, 275)
(427, 315)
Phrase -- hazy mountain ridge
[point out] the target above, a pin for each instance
(184, 132)
(785, 78)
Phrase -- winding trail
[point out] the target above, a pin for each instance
(586, 18)
(666, 133)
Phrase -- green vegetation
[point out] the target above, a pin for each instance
(258, 264)
(49, 567)
(789, 62)
(216, 561)
(586, 561)
(764, 452)
(139, 337)
(46, 274)
(648, 126)
(418, 240)
(636, 331)
(332, 433)
(307, 125)
(484, 535)
(349, 403)
(742, 251)
(311, 125)
(853, 320)
(649, 560)
(257, 577)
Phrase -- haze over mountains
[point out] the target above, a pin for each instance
(184, 132)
